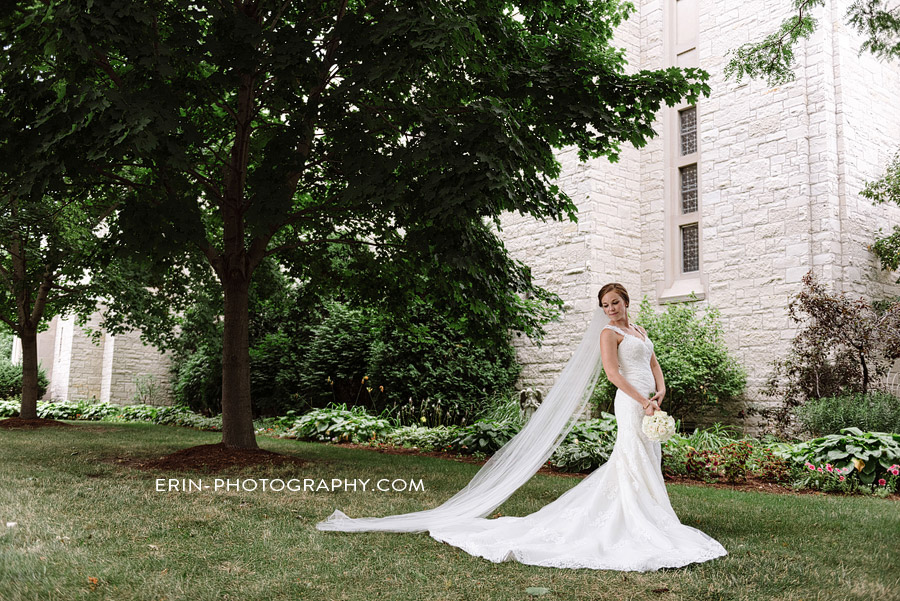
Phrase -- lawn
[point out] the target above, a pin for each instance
(89, 525)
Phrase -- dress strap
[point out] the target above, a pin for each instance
(614, 329)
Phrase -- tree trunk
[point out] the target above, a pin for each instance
(28, 409)
(237, 416)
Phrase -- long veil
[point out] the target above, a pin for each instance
(516, 461)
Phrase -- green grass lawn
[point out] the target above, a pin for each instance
(81, 516)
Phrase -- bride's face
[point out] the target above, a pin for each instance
(613, 305)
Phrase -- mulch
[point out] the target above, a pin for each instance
(11, 423)
(212, 457)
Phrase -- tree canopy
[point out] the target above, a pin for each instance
(389, 133)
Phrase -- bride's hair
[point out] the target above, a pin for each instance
(614, 287)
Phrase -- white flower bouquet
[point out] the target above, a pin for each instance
(658, 427)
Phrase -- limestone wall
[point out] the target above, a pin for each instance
(780, 173)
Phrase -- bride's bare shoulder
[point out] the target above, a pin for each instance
(607, 333)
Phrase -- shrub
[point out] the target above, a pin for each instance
(696, 363)
(484, 436)
(871, 454)
(588, 445)
(432, 359)
(425, 368)
(197, 379)
(337, 423)
(840, 347)
(872, 412)
(438, 438)
(11, 380)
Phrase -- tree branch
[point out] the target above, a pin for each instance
(349, 241)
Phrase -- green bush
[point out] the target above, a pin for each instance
(197, 379)
(484, 436)
(437, 438)
(871, 454)
(698, 368)
(11, 380)
(337, 423)
(872, 412)
(425, 368)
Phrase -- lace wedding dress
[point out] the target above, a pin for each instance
(618, 518)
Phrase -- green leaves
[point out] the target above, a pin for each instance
(877, 450)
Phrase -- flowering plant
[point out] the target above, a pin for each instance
(658, 427)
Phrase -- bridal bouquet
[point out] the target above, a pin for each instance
(658, 427)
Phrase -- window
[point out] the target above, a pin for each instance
(683, 181)
(688, 187)
(690, 255)
(688, 123)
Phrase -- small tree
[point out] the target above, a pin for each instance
(887, 190)
(840, 347)
(698, 369)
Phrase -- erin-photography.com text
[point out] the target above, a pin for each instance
(289, 485)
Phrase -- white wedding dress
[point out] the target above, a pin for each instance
(618, 518)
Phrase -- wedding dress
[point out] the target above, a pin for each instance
(618, 518)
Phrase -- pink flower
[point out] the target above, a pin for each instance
(896, 471)
(829, 468)
(811, 466)
(882, 482)
(820, 469)
(842, 478)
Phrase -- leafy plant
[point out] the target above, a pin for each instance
(734, 460)
(581, 455)
(766, 465)
(337, 423)
(588, 445)
(484, 436)
(437, 438)
(869, 453)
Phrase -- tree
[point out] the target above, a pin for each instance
(49, 236)
(773, 57)
(887, 189)
(398, 130)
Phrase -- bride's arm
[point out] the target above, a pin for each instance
(657, 374)
(658, 378)
(609, 354)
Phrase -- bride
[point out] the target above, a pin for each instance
(618, 518)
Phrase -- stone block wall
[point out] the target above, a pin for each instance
(781, 169)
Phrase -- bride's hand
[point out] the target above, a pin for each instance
(651, 408)
(658, 397)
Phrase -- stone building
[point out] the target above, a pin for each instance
(737, 198)
(120, 369)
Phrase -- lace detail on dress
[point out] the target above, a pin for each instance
(618, 518)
